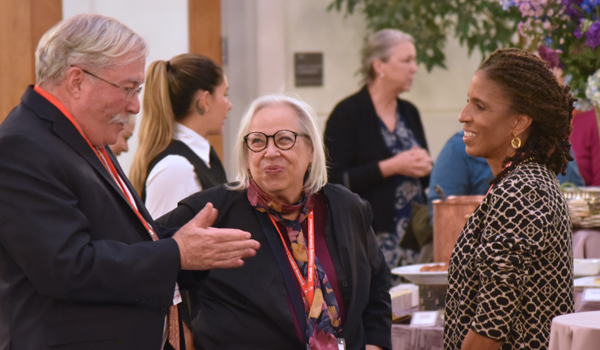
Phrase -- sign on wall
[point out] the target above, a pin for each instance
(308, 68)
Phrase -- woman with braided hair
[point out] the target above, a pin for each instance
(511, 270)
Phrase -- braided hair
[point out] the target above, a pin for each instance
(534, 91)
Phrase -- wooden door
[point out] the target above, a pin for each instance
(205, 39)
(22, 24)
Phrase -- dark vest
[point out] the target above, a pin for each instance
(209, 177)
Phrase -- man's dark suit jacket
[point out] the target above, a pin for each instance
(78, 270)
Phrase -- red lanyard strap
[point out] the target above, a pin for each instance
(102, 156)
(308, 287)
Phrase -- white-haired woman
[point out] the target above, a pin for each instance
(323, 278)
(376, 142)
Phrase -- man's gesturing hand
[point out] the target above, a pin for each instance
(202, 247)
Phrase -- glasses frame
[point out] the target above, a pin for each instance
(273, 137)
(129, 92)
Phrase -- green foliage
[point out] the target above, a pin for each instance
(580, 62)
(480, 25)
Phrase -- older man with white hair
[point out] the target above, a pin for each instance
(82, 263)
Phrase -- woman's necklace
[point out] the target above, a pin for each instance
(527, 160)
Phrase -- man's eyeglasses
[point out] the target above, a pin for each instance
(283, 139)
(129, 92)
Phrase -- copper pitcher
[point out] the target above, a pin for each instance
(449, 218)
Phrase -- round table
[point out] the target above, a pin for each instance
(405, 337)
(578, 331)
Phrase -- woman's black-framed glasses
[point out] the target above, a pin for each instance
(283, 139)
(129, 92)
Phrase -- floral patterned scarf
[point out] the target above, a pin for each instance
(322, 319)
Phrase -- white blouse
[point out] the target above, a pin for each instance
(173, 178)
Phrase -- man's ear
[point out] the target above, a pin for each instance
(74, 80)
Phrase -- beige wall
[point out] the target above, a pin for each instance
(262, 37)
(163, 23)
(439, 95)
(281, 28)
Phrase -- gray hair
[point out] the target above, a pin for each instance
(379, 46)
(90, 40)
(317, 172)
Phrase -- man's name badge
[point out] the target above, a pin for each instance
(341, 344)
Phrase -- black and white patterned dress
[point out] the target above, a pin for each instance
(511, 270)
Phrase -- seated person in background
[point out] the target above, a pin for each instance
(459, 174)
(282, 191)
(121, 145)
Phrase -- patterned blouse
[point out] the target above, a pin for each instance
(408, 191)
(511, 270)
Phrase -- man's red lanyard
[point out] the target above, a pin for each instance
(173, 317)
(308, 287)
(102, 156)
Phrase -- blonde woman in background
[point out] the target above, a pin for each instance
(185, 101)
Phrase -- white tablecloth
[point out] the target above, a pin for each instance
(586, 244)
(405, 337)
(578, 331)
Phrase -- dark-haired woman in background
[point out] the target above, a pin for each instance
(185, 101)
(511, 271)
(376, 142)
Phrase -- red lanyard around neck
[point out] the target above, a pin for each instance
(308, 287)
(102, 156)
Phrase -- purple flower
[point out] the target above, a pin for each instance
(588, 6)
(593, 35)
(573, 11)
(549, 55)
(578, 34)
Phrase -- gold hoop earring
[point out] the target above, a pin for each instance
(198, 108)
(516, 142)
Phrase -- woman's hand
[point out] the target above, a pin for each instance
(372, 347)
(474, 341)
(412, 163)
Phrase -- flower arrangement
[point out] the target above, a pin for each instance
(567, 36)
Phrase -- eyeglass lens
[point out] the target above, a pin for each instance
(129, 92)
(284, 140)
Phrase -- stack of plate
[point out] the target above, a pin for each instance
(405, 297)
(413, 273)
(432, 285)
(586, 267)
